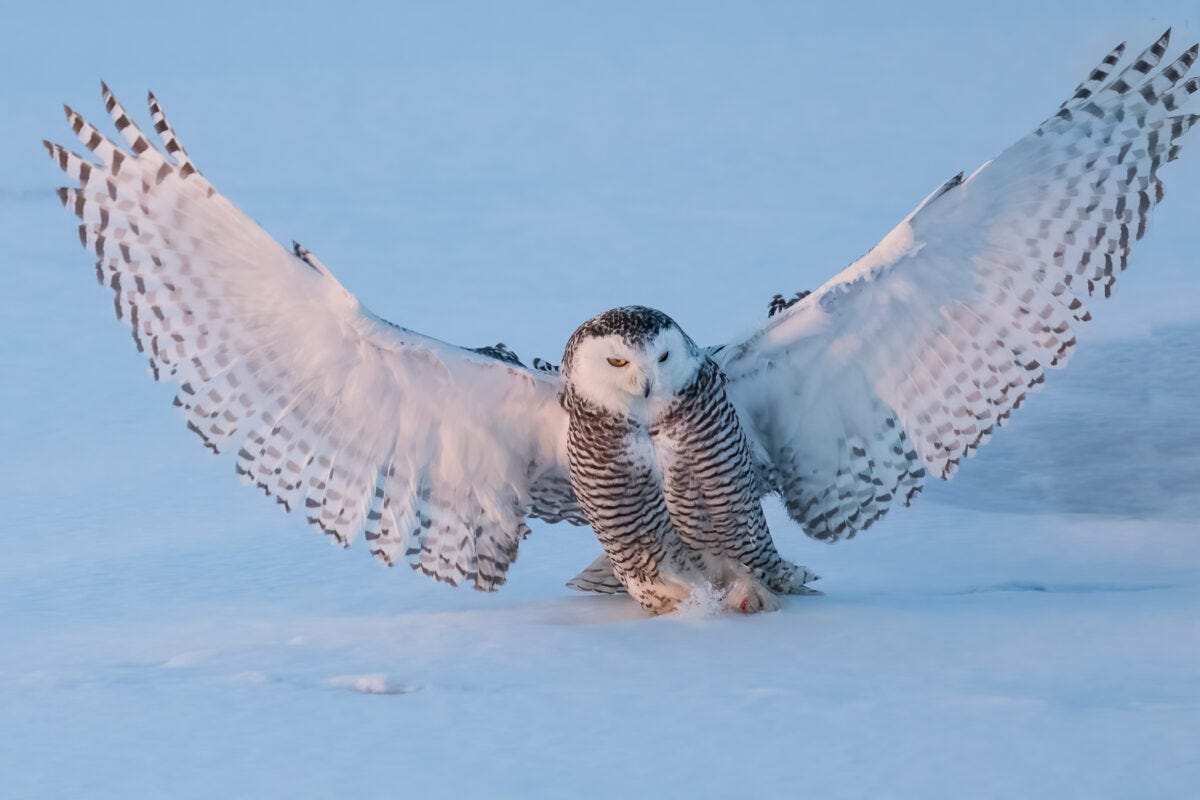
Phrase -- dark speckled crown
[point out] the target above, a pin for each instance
(635, 324)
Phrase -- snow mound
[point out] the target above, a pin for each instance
(373, 683)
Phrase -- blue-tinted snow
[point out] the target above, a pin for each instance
(492, 172)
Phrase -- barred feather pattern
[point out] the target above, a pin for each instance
(433, 453)
(873, 470)
(675, 499)
(909, 359)
(709, 480)
(615, 476)
(598, 577)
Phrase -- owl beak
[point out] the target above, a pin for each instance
(646, 387)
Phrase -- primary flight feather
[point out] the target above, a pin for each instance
(902, 364)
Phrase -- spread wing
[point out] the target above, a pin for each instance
(435, 453)
(909, 359)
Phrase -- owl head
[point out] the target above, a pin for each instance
(631, 361)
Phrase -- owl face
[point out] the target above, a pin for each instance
(631, 361)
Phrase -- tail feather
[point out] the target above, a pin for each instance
(597, 577)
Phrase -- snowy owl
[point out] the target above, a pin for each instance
(842, 402)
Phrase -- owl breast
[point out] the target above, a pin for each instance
(708, 476)
(617, 480)
(672, 500)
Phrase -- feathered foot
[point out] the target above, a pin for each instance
(748, 596)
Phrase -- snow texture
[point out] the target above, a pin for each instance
(1026, 630)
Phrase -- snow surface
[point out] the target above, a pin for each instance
(1027, 630)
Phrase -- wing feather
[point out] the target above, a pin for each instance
(910, 358)
(434, 453)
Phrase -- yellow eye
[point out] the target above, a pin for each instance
(617, 362)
